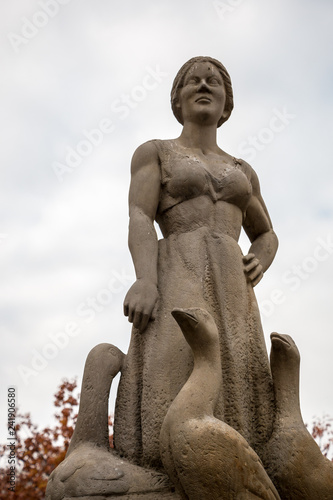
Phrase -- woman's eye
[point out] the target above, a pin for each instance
(214, 81)
(192, 81)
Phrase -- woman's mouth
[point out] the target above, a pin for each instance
(203, 99)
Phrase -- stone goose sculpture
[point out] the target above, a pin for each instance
(91, 470)
(292, 458)
(204, 457)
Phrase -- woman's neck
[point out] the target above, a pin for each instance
(197, 136)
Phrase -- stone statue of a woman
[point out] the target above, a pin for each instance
(201, 197)
(227, 414)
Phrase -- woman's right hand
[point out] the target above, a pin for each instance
(140, 302)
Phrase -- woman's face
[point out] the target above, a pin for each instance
(202, 97)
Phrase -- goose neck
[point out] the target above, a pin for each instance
(286, 389)
(92, 422)
(201, 391)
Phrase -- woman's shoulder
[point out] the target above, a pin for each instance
(146, 147)
(155, 151)
(154, 146)
(145, 155)
(250, 174)
(248, 170)
(151, 154)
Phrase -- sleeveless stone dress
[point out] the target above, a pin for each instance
(199, 265)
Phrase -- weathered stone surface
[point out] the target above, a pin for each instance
(200, 196)
(134, 496)
(91, 468)
(205, 425)
(292, 457)
(205, 457)
(91, 472)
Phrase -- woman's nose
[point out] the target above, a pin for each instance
(203, 86)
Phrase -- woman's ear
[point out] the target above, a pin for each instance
(225, 114)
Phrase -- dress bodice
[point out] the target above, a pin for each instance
(185, 176)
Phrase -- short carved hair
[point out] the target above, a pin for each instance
(179, 82)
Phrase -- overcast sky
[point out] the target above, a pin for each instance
(83, 83)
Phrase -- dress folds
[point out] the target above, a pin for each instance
(198, 266)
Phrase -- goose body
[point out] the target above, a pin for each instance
(91, 469)
(292, 457)
(204, 457)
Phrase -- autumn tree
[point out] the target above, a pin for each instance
(38, 452)
(322, 431)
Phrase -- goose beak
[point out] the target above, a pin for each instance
(277, 338)
(184, 318)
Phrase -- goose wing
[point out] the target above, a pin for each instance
(212, 460)
(88, 470)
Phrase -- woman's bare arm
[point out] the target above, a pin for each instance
(258, 227)
(142, 239)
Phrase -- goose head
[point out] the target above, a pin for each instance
(198, 327)
(285, 355)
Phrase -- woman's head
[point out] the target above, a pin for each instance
(178, 84)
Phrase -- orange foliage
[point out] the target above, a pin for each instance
(322, 431)
(38, 452)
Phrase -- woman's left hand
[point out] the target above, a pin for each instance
(252, 268)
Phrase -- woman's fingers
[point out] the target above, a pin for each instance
(136, 316)
(140, 302)
(257, 270)
(144, 322)
(141, 320)
(256, 281)
(248, 257)
(252, 269)
(252, 265)
(131, 314)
